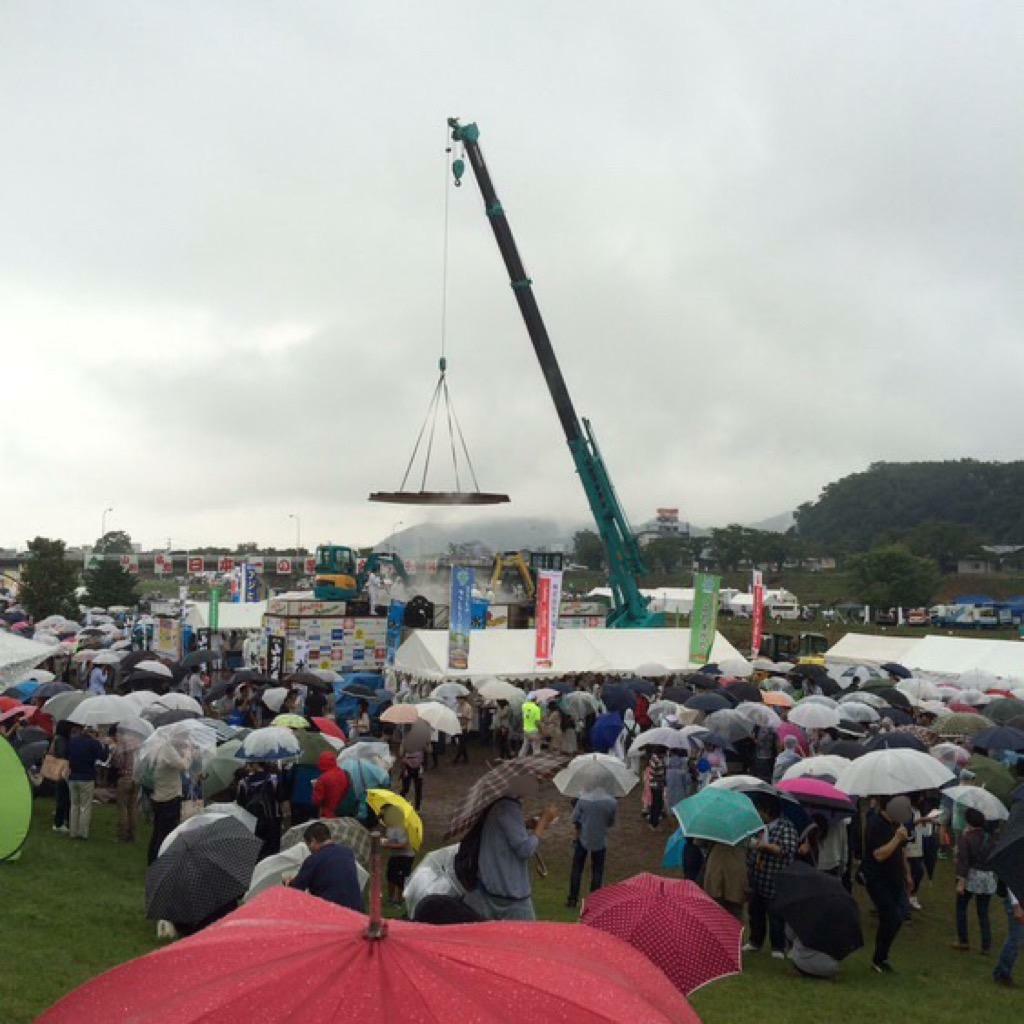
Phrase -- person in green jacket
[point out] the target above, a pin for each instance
(531, 727)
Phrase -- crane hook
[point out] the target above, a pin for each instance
(458, 170)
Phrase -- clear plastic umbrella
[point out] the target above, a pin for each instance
(980, 799)
(448, 691)
(595, 771)
(434, 876)
(439, 717)
(891, 771)
(813, 716)
(108, 709)
(821, 766)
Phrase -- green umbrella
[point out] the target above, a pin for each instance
(219, 773)
(313, 745)
(964, 724)
(1004, 710)
(15, 803)
(996, 778)
(720, 815)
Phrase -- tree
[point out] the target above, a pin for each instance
(587, 549)
(946, 543)
(113, 542)
(669, 554)
(729, 546)
(893, 577)
(107, 583)
(48, 582)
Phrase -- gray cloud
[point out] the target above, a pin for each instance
(773, 243)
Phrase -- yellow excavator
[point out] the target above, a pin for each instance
(516, 562)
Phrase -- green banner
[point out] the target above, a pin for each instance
(214, 608)
(704, 617)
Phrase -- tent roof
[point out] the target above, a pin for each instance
(230, 615)
(873, 649)
(510, 652)
(18, 655)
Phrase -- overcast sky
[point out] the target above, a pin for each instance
(773, 242)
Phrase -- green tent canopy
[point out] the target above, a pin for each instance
(15, 802)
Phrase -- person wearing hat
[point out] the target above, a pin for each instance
(886, 873)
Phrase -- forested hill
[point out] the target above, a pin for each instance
(890, 499)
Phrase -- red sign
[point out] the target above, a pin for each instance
(757, 617)
(310, 566)
(163, 564)
(284, 567)
(195, 564)
(225, 563)
(549, 599)
(130, 564)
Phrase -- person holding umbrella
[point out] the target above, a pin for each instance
(974, 879)
(886, 873)
(593, 815)
(767, 857)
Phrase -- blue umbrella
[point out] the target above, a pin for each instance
(618, 697)
(27, 689)
(364, 775)
(675, 849)
(605, 731)
(896, 669)
(1002, 737)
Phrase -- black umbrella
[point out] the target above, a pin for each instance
(702, 681)
(252, 677)
(129, 661)
(13, 693)
(307, 679)
(820, 911)
(644, 686)
(617, 697)
(828, 686)
(145, 681)
(711, 669)
(196, 658)
(1016, 723)
(1002, 737)
(202, 871)
(894, 698)
(847, 748)
(358, 690)
(811, 671)
(219, 690)
(14, 616)
(676, 693)
(896, 715)
(1007, 857)
(48, 690)
(707, 702)
(32, 734)
(33, 753)
(170, 717)
(894, 668)
(740, 692)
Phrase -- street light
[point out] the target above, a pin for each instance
(298, 531)
(103, 522)
(394, 530)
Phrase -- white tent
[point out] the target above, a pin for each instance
(510, 652)
(229, 616)
(955, 655)
(673, 600)
(18, 655)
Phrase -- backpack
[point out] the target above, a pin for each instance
(262, 803)
(467, 857)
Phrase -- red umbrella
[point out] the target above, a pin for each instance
(675, 924)
(287, 956)
(6, 703)
(329, 728)
(817, 793)
(963, 709)
(792, 729)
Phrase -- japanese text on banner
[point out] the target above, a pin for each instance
(704, 617)
(549, 599)
(757, 616)
(460, 617)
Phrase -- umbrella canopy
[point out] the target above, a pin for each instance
(196, 658)
(546, 693)
(498, 782)
(721, 815)
(605, 731)
(659, 710)
(895, 741)
(315, 681)
(818, 908)
(417, 737)
(580, 704)
(63, 704)
(995, 777)
(364, 775)
(15, 802)
(401, 714)
(269, 744)
(276, 870)
(274, 697)
(894, 668)
(817, 794)
(595, 771)
(201, 871)
(731, 725)
(961, 725)
(196, 822)
(889, 772)
(439, 716)
(159, 718)
(105, 710)
(329, 728)
(822, 766)
(291, 721)
(1002, 737)
(32, 754)
(778, 699)
(708, 702)
(344, 831)
(855, 711)
(255, 965)
(449, 691)
(156, 668)
(1004, 710)
(617, 697)
(379, 799)
(744, 784)
(1007, 856)
(980, 799)
(813, 716)
(235, 811)
(679, 928)
(661, 736)
(434, 876)
(950, 754)
(177, 702)
(499, 689)
(744, 691)
(311, 746)
(48, 690)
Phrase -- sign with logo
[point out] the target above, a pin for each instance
(129, 564)
(460, 617)
(284, 567)
(704, 617)
(225, 563)
(549, 598)
(167, 637)
(757, 616)
(202, 639)
(309, 566)
(250, 584)
(163, 565)
(256, 562)
(275, 657)
(196, 564)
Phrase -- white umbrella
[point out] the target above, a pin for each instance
(740, 783)
(891, 771)
(831, 765)
(499, 689)
(157, 668)
(276, 870)
(107, 658)
(759, 714)
(980, 799)
(275, 697)
(950, 753)
(86, 655)
(813, 716)
(921, 689)
(177, 702)
(975, 679)
(136, 727)
(40, 675)
(103, 710)
(661, 709)
(935, 707)
(236, 811)
(863, 697)
(545, 694)
(595, 771)
(434, 876)
(271, 743)
(448, 691)
(62, 704)
(326, 675)
(121, 645)
(661, 736)
(854, 711)
(737, 668)
(730, 725)
(820, 698)
(368, 750)
(439, 717)
(142, 698)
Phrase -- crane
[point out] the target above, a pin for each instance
(625, 564)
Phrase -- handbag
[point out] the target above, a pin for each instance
(55, 769)
(981, 882)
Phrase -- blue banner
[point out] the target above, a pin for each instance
(250, 584)
(396, 619)
(460, 616)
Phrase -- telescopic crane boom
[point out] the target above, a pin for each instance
(625, 565)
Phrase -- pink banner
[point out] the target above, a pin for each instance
(549, 598)
(757, 617)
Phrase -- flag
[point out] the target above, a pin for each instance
(549, 599)
(130, 564)
(704, 617)
(757, 615)
(460, 617)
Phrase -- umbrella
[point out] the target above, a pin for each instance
(950, 753)
(821, 766)
(156, 668)
(144, 681)
(995, 777)
(250, 676)
(817, 794)
(855, 711)
(344, 831)
(107, 658)
(417, 737)
(545, 694)
(198, 821)
(617, 697)
(1007, 856)
(595, 771)
(848, 749)
(104, 710)
(662, 736)
(580, 704)
(378, 799)
(313, 680)
(196, 658)
(291, 722)
(201, 871)
(440, 717)
(895, 741)
(434, 876)
(255, 965)
(1004, 710)
(730, 725)
(448, 691)
(813, 716)
(159, 718)
(235, 811)
(60, 706)
(33, 753)
(888, 772)
(980, 799)
(311, 746)
(792, 729)
(275, 870)
(177, 702)
(48, 690)
(961, 725)
(605, 731)
(823, 915)
(329, 728)
(776, 698)
(642, 686)
(25, 690)
(134, 728)
(679, 928)
(224, 731)
(1000, 738)
(275, 697)
(819, 698)
(744, 692)
(269, 744)
(744, 784)
(364, 776)
(658, 711)
(894, 668)
(678, 694)
(707, 702)
(219, 771)
(498, 782)
(401, 714)
(498, 689)
(720, 815)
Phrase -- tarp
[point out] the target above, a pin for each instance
(18, 655)
(230, 615)
(510, 652)
(15, 802)
(872, 649)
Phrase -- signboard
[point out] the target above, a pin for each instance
(309, 566)
(284, 567)
(225, 563)
(275, 657)
(255, 562)
(396, 619)
(460, 617)
(129, 564)
(163, 565)
(250, 584)
(167, 637)
(549, 598)
(202, 639)
(195, 564)
(214, 614)
(704, 617)
(757, 616)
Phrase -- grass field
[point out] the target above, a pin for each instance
(73, 909)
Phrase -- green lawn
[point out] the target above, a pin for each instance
(72, 909)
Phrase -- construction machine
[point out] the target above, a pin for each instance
(339, 577)
(523, 565)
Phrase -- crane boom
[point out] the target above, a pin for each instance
(625, 564)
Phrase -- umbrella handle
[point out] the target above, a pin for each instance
(377, 928)
(538, 863)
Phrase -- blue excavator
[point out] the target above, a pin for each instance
(625, 565)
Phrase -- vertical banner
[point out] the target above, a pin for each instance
(163, 565)
(460, 616)
(396, 619)
(235, 584)
(214, 614)
(275, 656)
(167, 637)
(202, 639)
(251, 584)
(757, 615)
(704, 617)
(549, 600)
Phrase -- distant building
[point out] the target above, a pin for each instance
(992, 558)
(665, 524)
